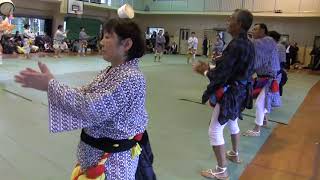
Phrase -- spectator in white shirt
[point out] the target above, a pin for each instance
(192, 47)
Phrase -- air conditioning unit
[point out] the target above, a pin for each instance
(96, 1)
(147, 8)
(278, 11)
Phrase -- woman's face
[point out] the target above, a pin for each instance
(111, 47)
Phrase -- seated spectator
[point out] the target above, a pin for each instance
(39, 41)
(18, 37)
(75, 46)
(68, 42)
(8, 44)
(18, 41)
(92, 43)
(47, 39)
(149, 47)
(48, 47)
(174, 48)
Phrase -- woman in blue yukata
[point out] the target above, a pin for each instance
(266, 86)
(110, 110)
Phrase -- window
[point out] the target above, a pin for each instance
(36, 25)
(64, 26)
(155, 29)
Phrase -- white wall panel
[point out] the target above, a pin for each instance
(248, 4)
(230, 5)
(212, 5)
(310, 5)
(263, 5)
(288, 5)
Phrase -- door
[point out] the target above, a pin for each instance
(211, 35)
(183, 41)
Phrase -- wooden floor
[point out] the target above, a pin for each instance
(291, 152)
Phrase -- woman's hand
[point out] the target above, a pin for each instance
(31, 78)
(200, 67)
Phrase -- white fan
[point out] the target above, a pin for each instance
(6, 7)
(126, 11)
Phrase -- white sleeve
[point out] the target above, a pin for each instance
(195, 45)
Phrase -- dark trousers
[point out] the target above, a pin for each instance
(294, 60)
(288, 59)
(284, 79)
(145, 170)
(205, 51)
(316, 65)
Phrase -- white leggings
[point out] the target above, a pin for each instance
(193, 55)
(260, 109)
(158, 54)
(216, 129)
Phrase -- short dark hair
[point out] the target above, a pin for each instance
(275, 35)
(126, 28)
(245, 17)
(81, 28)
(26, 26)
(264, 27)
(60, 26)
(193, 33)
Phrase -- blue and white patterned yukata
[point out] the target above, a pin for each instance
(160, 43)
(112, 105)
(267, 64)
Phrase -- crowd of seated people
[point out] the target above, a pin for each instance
(169, 47)
(15, 44)
(28, 42)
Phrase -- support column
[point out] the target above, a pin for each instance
(59, 15)
(58, 19)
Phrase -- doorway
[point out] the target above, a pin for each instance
(183, 41)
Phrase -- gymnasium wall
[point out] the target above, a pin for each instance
(287, 6)
(35, 8)
(92, 27)
(300, 29)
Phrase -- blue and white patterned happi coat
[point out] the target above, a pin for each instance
(112, 106)
(267, 63)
